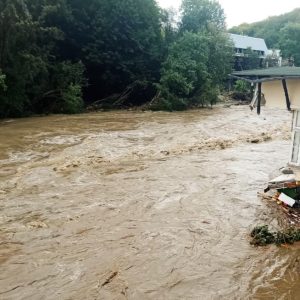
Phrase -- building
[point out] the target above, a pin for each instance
(243, 42)
(242, 45)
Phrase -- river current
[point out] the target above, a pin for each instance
(142, 205)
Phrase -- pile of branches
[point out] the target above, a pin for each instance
(262, 236)
(136, 94)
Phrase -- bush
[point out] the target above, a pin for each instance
(161, 105)
(242, 90)
(174, 104)
(72, 99)
(242, 86)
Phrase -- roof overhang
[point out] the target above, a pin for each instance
(258, 79)
(270, 74)
(259, 76)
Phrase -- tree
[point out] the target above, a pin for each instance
(47, 45)
(290, 42)
(169, 25)
(199, 15)
(53, 53)
(196, 65)
(185, 65)
(29, 63)
(199, 60)
(119, 42)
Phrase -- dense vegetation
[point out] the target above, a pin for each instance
(280, 32)
(56, 56)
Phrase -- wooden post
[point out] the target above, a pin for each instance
(259, 98)
(287, 98)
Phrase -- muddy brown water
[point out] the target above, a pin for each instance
(141, 205)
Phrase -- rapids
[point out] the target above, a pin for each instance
(142, 205)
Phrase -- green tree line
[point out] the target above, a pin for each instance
(280, 32)
(57, 56)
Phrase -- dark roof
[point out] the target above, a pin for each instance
(277, 73)
(282, 71)
(244, 42)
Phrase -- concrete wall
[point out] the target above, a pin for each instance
(274, 93)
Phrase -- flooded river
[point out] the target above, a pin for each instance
(142, 205)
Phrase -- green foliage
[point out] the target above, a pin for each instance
(200, 59)
(206, 95)
(262, 236)
(242, 86)
(199, 15)
(72, 99)
(185, 66)
(27, 57)
(42, 43)
(118, 41)
(197, 63)
(290, 41)
(161, 105)
(170, 104)
(169, 26)
(49, 47)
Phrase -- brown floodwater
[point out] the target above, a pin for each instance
(142, 205)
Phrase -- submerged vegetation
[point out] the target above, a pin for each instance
(57, 56)
(262, 236)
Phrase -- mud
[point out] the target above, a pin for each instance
(141, 205)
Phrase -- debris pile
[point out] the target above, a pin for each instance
(282, 193)
(285, 192)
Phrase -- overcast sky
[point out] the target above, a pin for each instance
(241, 11)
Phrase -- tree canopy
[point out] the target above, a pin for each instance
(58, 55)
(198, 15)
(199, 60)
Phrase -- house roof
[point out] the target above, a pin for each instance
(244, 42)
(276, 73)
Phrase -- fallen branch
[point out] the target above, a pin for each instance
(110, 278)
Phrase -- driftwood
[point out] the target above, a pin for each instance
(110, 98)
(155, 98)
(136, 94)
